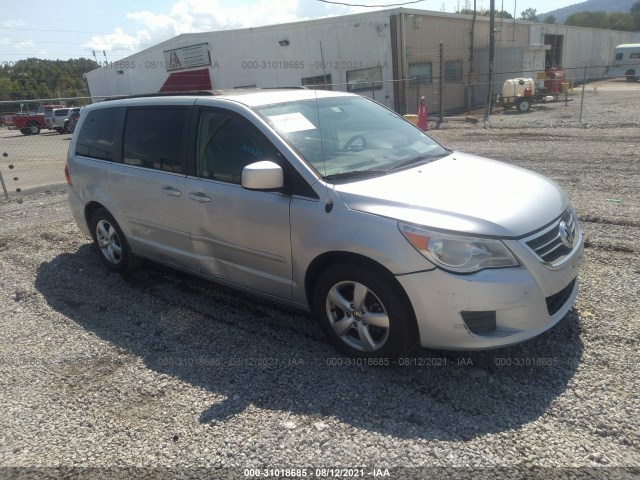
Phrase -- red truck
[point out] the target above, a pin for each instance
(32, 123)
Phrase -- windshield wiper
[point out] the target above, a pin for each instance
(420, 159)
(355, 173)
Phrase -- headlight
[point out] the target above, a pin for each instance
(458, 253)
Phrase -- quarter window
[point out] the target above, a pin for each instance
(226, 144)
(96, 138)
(634, 56)
(153, 138)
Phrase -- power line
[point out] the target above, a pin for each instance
(79, 31)
(371, 6)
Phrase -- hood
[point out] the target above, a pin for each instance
(461, 193)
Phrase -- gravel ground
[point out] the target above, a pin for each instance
(148, 374)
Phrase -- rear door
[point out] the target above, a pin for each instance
(148, 186)
(239, 235)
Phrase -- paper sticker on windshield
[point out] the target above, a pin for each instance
(291, 122)
(420, 147)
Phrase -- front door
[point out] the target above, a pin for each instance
(238, 235)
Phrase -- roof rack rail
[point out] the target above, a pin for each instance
(165, 94)
(199, 92)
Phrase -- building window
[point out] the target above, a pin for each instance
(320, 82)
(153, 138)
(453, 71)
(421, 73)
(364, 79)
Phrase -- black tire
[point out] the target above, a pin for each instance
(25, 131)
(524, 105)
(351, 332)
(112, 245)
(58, 129)
(65, 129)
(34, 128)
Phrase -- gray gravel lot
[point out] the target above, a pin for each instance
(162, 371)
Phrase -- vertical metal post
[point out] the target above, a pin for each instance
(584, 82)
(492, 53)
(4, 187)
(441, 119)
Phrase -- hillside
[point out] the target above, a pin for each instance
(561, 14)
(35, 78)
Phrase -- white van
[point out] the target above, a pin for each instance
(626, 62)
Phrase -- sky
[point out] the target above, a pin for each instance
(75, 28)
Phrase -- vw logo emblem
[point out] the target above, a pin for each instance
(566, 235)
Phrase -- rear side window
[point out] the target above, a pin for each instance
(154, 138)
(96, 138)
(634, 56)
(619, 56)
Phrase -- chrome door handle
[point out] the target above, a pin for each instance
(199, 196)
(171, 191)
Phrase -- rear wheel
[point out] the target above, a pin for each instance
(25, 131)
(34, 128)
(524, 105)
(115, 251)
(65, 129)
(363, 312)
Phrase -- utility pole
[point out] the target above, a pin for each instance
(492, 54)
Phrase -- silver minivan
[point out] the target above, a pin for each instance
(333, 203)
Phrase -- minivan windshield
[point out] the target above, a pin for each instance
(347, 137)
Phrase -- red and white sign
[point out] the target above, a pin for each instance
(187, 57)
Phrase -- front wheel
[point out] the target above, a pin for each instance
(115, 251)
(363, 312)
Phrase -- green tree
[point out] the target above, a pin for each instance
(529, 14)
(9, 89)
(34, 78)
(587, 19)
(549, 19)
(635, 15)
(485, 13)
(620, 21)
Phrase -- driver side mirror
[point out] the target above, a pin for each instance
(265, 175)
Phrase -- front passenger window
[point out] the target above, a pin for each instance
(226, 144)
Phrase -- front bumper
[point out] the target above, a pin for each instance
(523, 302)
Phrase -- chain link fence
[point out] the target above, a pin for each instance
(32, 162)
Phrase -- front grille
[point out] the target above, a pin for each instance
(555, 243)
(557, 300)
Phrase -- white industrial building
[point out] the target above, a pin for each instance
(394, 56)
